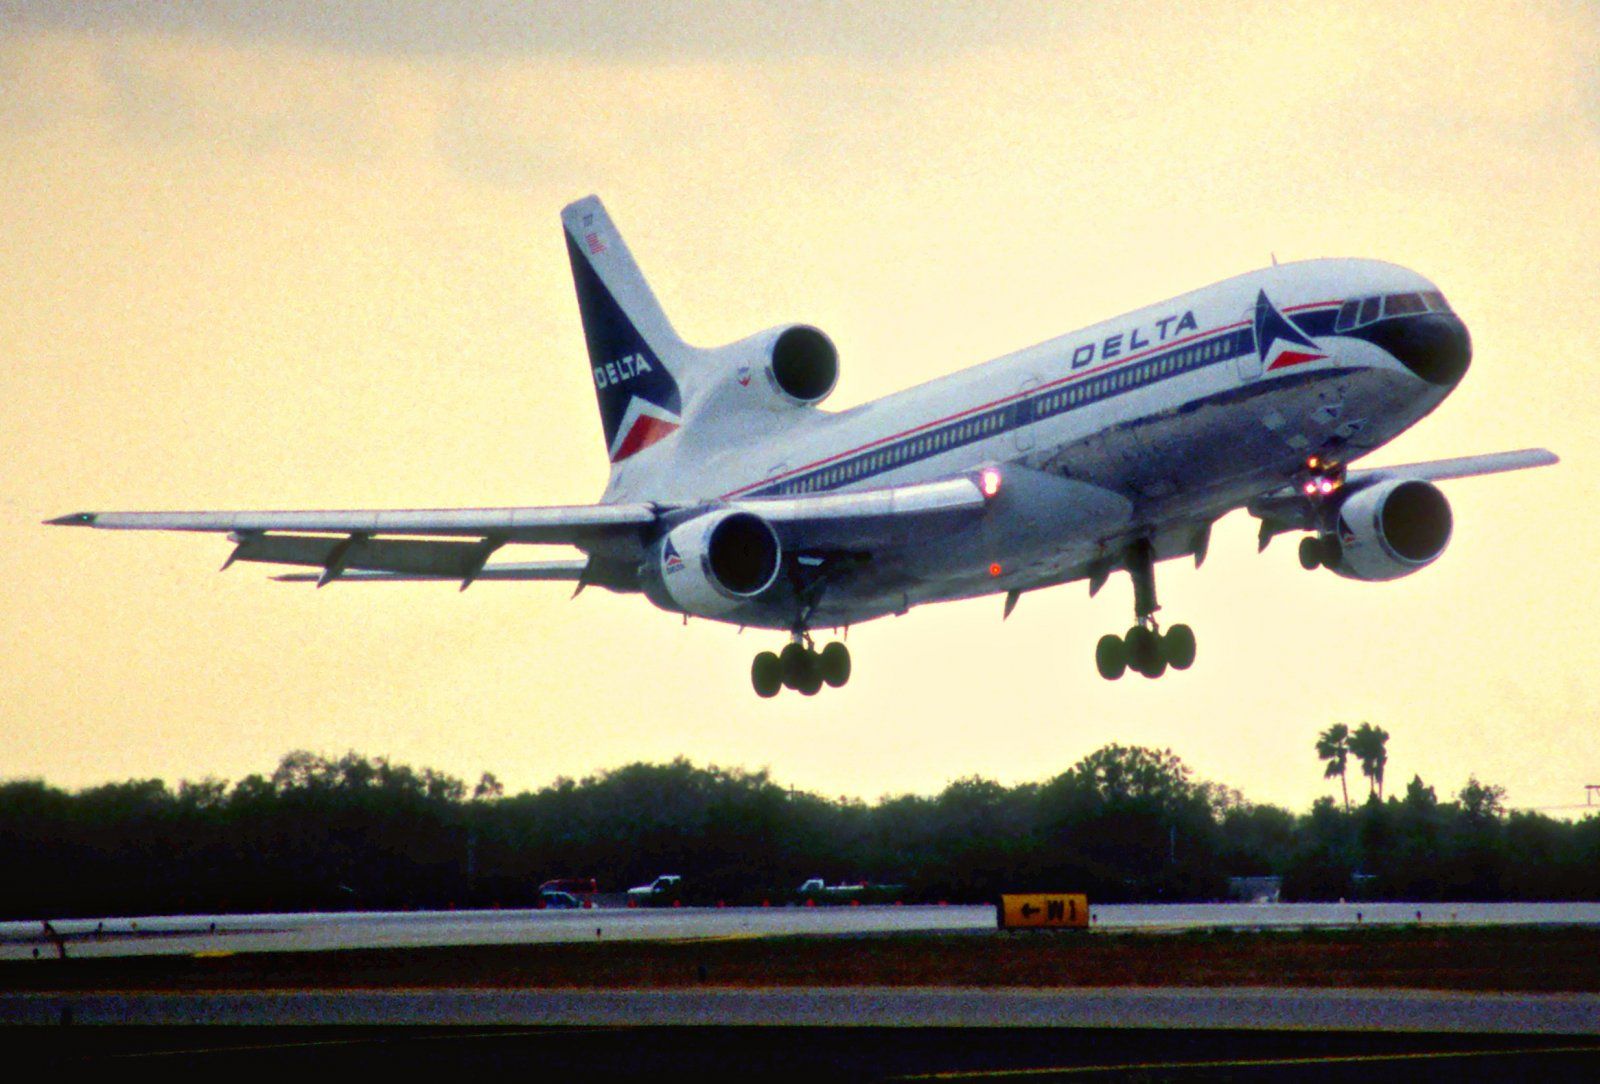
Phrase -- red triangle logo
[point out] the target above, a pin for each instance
(646, 430)
(1293, 357)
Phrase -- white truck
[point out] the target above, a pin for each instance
(816, 890)
(664, 891)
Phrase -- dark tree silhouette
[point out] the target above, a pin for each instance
(1333, 746)
(1370, 746)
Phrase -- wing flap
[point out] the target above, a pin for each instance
(433, 559)
(863, 519)
(560, 571)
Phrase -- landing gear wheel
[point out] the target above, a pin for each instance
(1332, 551)
(1144, 651)
(1110, 657)
(766, 674)
(810, 680)
(795, 663)
(1310, 553)
(835, 664)
(1178, 647)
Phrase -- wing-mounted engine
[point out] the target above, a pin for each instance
(713, 564)
(1388, 530)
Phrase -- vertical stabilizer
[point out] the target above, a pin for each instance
(633, 351)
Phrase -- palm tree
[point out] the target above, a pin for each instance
(1333, 745)
(1370, 745)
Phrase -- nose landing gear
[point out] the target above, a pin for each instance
(800, 667)
(1144, 648)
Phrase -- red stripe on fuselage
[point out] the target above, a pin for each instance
(1026, 393)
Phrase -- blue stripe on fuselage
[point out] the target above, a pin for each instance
(1053, 399)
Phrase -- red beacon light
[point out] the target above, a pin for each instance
(989, 481)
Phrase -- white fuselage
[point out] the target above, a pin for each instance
(1175, 407)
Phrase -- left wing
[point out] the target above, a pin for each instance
(437, 544)
(456, 544)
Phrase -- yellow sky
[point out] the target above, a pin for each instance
(291, 259)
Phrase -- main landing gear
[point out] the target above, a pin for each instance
(1144, 648)
(800, 667)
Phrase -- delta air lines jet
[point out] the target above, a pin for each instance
(734, 497)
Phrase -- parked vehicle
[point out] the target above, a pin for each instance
(559, 901)
(584, 888)
(664, 891)
(816, 890)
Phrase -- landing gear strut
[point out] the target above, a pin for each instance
(1144, 648)
(800, 667)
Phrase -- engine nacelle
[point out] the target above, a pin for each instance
(717, 562)
(1391, 530)
(798, 365)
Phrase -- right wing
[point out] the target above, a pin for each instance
(1466, 466)
(1286, 509)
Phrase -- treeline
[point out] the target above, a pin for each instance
(1124, 823)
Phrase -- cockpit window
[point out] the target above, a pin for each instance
(1347, 315)
(1369, 310)
(1435, 301)
(1403, 305)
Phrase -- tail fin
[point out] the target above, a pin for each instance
(632, 347)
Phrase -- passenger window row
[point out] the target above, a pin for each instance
(984, 425)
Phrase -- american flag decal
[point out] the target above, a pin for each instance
(596, 246)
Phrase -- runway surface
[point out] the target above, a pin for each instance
(210, 934)
(1224, 1008)
(837, 1055)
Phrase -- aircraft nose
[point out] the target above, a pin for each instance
(1436, 346)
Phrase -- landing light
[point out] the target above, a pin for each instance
(1310, 489)
(1325, 486)
(989, 483)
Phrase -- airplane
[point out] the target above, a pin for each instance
(733, 496)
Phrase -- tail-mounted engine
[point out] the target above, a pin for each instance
(1388, 530)
(797, 365)
(715, 563)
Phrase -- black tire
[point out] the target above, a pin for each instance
(795, 662)
(1178, 646)
(1310, 553)
(835, 664)
(810, 682)
(1144, 651)
(766, 675)
(1110, 657)
(1332, 551)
